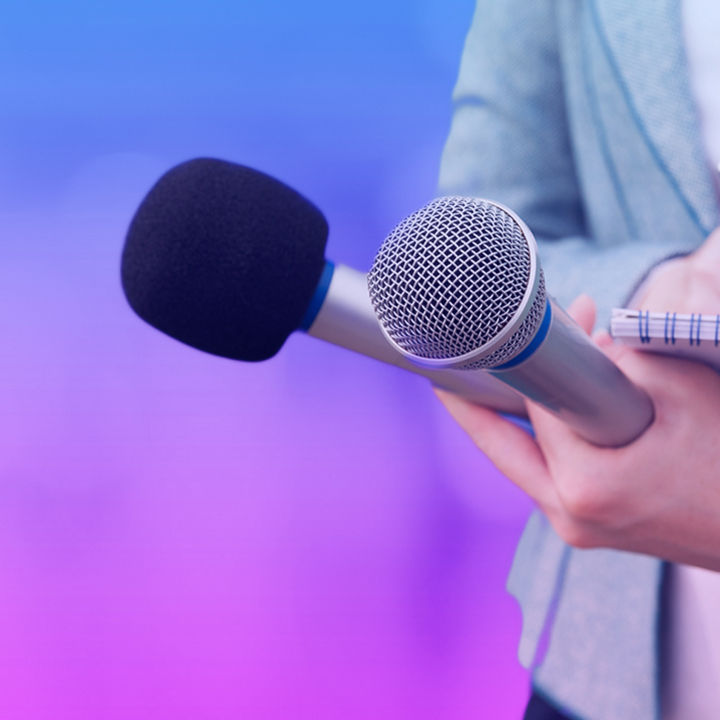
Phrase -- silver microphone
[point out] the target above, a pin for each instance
(458, 286)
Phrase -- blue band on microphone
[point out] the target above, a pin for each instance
(318, 298)
(534, 344)
(521, 422)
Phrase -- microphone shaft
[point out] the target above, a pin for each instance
(571, 377)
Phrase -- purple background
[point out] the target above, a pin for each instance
(184, 536)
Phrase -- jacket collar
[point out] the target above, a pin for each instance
(644, 43)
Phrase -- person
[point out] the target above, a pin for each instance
(598, 122)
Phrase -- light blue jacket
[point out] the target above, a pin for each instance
(578, 115)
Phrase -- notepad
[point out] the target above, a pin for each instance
(695, 335)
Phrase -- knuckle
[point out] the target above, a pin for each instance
(575, 534)
(588, 501)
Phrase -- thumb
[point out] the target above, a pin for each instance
(582, 310)
(615, 351)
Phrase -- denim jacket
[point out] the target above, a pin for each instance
(578, 114)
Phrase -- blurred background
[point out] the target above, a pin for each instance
(183, 536)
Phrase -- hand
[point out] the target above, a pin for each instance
(660, 495)
(686, 284)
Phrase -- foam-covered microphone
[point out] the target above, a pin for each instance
(458, 285)
(231, 261)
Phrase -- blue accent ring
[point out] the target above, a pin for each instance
(540, 335)
(318, 298)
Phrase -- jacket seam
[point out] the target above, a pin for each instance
(604, 146)
(638, 120)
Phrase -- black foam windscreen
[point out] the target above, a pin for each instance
(224, 258)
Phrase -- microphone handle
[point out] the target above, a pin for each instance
(572, 378)
(346, 318)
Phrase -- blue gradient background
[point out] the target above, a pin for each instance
(188, 537)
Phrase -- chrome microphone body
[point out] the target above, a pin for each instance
(569, 376)
(457, 286)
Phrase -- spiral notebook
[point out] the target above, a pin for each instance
(695, 336)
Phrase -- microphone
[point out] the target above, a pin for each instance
(231, 261)
(458, 286)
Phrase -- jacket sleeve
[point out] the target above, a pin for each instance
(510, 141)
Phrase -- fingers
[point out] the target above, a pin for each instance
(582, 310)
(615, 351)
(512, 450)
(553, 435)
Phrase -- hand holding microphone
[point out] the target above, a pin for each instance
(656, 495)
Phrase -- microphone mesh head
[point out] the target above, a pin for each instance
(450, 277)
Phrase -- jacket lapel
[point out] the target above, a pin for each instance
(644, 43)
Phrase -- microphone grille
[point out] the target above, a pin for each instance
(451, 277)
